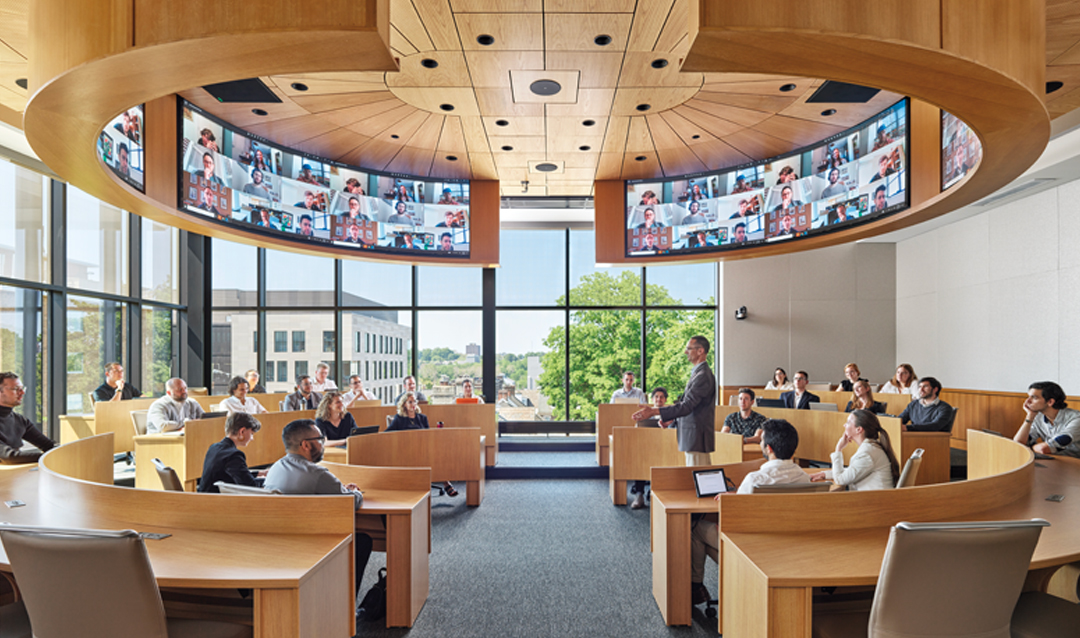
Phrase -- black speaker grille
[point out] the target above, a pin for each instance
(250, 91)
(842, 93)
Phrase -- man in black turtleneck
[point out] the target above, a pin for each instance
(15, 427)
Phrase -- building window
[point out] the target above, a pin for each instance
(328, 341)
(281, 341)
(356, 343)
(367, 371)
(283, 371)
(255, 341)
(300, 367)
(270, 375)
(298, 337)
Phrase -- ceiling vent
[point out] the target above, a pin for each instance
(250, 91)
(997, 197)
(842, 93)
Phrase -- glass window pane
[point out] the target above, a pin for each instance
(232, 351)
(362, 328)
(24, 226)
(158, 328)
(95, 337)
(603, 344)
(301, 328)
(22, 349)
(532, 268)
(530, 367)
(299, 280)
(667, 332)
(449, 351)
(682, 285)
(375, 284)
(592, 286)
(98, 246)
(451, 287)
(160, 262)
(235, 274)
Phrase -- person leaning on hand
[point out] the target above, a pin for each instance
(1048, 417)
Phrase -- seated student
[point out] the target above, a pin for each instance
(905, 381)
(851, 372)
(410, 386)
(332, 419)
(408, 417)
(225, 461)
(862, 398)
(298, 472)
(252, 377)
(321, 383)
(928, 413)
(356, 392)
(467, 391)
(115, 388)
(304, 398)
(659, 400)
(171, 411)
(628, 391)
(745, 422)
(873, 466)
(15, 428)
(239, 401)
(779, 440)
(1048, 417)
(799, 398)
(779, 381)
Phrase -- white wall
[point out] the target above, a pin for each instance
(815, 310)
(993, 301)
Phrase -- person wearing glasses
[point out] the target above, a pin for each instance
(299, 472)
(15, 428)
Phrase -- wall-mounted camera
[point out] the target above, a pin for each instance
(740, 313)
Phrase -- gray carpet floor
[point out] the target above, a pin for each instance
(547, 459)
(540, 558)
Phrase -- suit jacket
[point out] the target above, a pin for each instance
(807, 398)
(295, 401)
(224, 462)
(695, 411)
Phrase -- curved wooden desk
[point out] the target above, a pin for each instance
(635, 451)
(894, 403)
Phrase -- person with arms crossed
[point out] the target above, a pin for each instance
(873, 466)
(299, 472)
(745, 422)
(239, 401)
(1049, 417)
(628, 391)
(252, 377)
(410, 386)
(928, 413)
(321, 383)
(356, 392)
(799, 398)
(115, 388)
(905, 381)
(15, 428)
(225, 461)
(304, 398)
(695, 412)
(779, 440)
(171, 411)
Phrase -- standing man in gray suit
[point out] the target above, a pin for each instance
(696, 410)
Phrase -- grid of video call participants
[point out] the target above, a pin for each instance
(120, 146)
(961, 150)
(241, 179)
(845, 179)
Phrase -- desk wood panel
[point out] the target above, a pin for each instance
(115, 417)
(935, 467)
(989, 455)
(89, 460)
(75, 426)
(634, 451)
(481, 415)
(372, 415)
(610, 415)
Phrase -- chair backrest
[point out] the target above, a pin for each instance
(138, 419)
(232, 488)
(952, 419)
(87, 583)
(819, 387)
(953, 579)
(793, 488)
(199, 392)
(281, 405)
(824, 407)
(389, 419)
(216, 407)
(734, 399)
(169, 480)
(911, 470)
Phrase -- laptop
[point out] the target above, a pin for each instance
(710, 482)
(771, 403)
(214, 415)
(825, 407)
(367, 429)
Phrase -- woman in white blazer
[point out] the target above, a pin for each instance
(873, 466)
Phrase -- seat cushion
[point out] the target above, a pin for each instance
(14, 623)
(188, 628)
(841, 624)
(1039, 615)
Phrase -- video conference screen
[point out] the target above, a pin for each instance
(961, 149)
(242, 179)
(120, 147)
(847, 179)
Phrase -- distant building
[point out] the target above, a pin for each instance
(472, 353)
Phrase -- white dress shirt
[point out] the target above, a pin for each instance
(778, 472)
(249, 405)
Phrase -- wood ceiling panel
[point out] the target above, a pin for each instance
(589, 6)
(717, 154)
(571, 144)
(648, 166)
(452, 139)
(404, 17)
(318, 86)
(15, 25)
(491, 69)
(676, 161)
(403, 122)
(1062, 27)
(515, 191)
(12, 100)
(582, 174)
(1068, 101)
(676, 26)
(476, 141)
(576, 31)
(574, 126)
(335, 144)
(659, 98)
(766, 103)
(594, 103)
(414, 161)
(293, 130)
(492, 6)
(357, 116)
(515, 126)
(686, 129)
(570, 190)
(531, 145)
(846, 114)
(462, 99)
(427, 134)
(499, 103)
(649, 20)
(758, 145)
(599, 69)
(1057, 102)
(799, 132)
(512, 31)
(639, 138)
(338, 101)
(438, 19)
(443, 166)
(375, 155)
(400, 43)
(240, 114)
(582, 159)
(452, 70)
(663, 136)
(483, 166)
(637, 71)
(610, 166)
(615, 136)
(740, 116)
(762, 87)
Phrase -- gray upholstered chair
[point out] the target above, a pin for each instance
(138, 419)
(911, 470)
(169, 480)
(793, 488)
(95, 584)
(14, 623)
(1040, 615)
(232, 488)
(953, 580)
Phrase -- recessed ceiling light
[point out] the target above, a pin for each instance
(589, 123)
(428, 63)
(446, 107)
(644, 107)
(1050, 86)
(695, 137)
(787, 87)
(659, 64)
(602, 40)
(502, 123)
(394, 136)
(584, 148)
(546, 167)
(452, 158)
(640, 158)
(508, 148)
(21, 83)
(259, 112)
(828, 112)
(545, 87)
(299, 86)
(486, 40)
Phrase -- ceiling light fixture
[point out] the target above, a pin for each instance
(589, 123)
(486, 40)
(446, 107)
(640, 158)
(545, 88)
(452, 158)
(659, 64)
(787, 87)
(508, 148)
(428, 63)
(828, 112)
(602, 40)
(394, 136)
(299, 86)
(546, 167)
(502, 123)
(584, 148)
(259, 112)
(644, 107)
(1050, 86)
(21, 83)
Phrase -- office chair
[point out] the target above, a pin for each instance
(245, 490)
(793, 488)
(138, 420)
(911, 470)
(1040, 615)
(14, 622)
(944, 580)
(169, 480)
(952, 420)
(95, 584)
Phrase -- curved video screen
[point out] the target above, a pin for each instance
(961, 150)
(238, 178)
(852, 177)
(120, 147)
